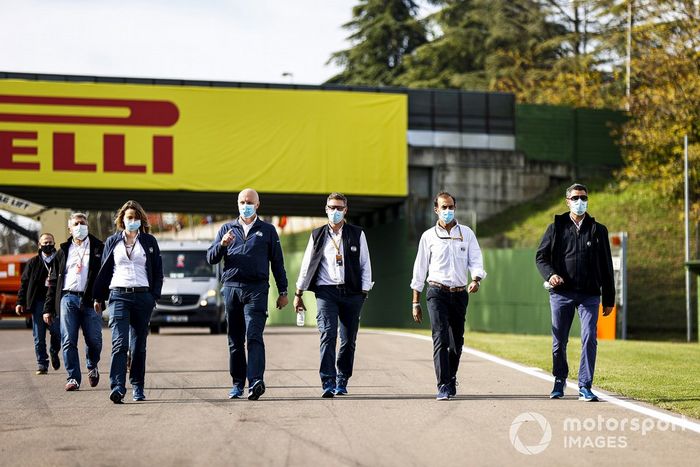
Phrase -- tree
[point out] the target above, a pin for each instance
(383, 34)
(665, 95)
(479, 43)
(580, 63)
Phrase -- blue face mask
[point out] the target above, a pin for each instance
(578, 207)
(447, 215)
(132, 226)
(246, 210)
(335, 216)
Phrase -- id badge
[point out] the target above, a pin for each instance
(339, 260)
(46, 282)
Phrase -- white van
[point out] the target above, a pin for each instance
(191, 292)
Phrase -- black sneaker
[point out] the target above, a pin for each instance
(256, 390)
(55, 362)
(117, 396)
(42, 370)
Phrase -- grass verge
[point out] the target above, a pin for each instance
(664, 374)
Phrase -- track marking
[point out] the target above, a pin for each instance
(679, 421)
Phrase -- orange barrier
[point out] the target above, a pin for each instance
(606, 324)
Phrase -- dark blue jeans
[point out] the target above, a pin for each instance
(129, 315)
(335, 305)
(39, 328)
(246, 313)
(74, 317)
(564, 304)
(448, 310)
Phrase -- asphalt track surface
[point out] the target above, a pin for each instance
(500, 416)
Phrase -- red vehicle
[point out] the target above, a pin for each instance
(11, 268)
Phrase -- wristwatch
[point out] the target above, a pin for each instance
(299, 294)
(283, 294)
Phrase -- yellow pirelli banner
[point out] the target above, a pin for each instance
(119, 136)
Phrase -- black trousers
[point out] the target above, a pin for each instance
(448, 311)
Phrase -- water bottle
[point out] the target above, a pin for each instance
(301, 315)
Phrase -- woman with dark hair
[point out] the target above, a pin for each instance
(131, 277)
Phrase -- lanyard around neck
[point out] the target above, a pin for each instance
(336, 245)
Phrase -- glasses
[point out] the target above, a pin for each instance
(579, 197)
(339, 208)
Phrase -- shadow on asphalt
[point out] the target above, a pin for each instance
(356, 397)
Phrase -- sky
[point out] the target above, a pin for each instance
(230, 40)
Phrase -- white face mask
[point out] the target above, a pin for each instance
(79, 231)
(578, 207)
(335, 215)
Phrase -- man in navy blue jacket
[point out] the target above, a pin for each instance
(248, 247)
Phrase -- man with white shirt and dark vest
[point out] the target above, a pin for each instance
(249, 247)
(446, 253)
(337, 268)
(70, 294)
(31, 298)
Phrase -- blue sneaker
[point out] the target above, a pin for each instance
(558, 391)
(585, 394)
(256, 390)
(117, 395)
(341, 387)
(328, 389)
(236, 392)
(137, 393)
(452, 387)
(443, 393)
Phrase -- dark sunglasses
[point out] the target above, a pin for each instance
(339, 208)
(582, 198)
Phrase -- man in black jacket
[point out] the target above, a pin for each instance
(70, 296)
(31, 297)
(574, 259)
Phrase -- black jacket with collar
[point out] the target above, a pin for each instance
(580, 257)
(33, 285)
(58, 275)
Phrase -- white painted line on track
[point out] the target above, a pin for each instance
(672, 419)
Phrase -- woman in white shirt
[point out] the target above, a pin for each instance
(131, 276)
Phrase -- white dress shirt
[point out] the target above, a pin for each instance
(129, 272)
(247, 227)
(329, 273)
(446, 260)
(76, 276)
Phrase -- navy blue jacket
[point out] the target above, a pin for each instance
(154, 265)
(248, 259)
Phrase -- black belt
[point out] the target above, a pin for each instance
(131, 289)
(446, 288)
(70, 292)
